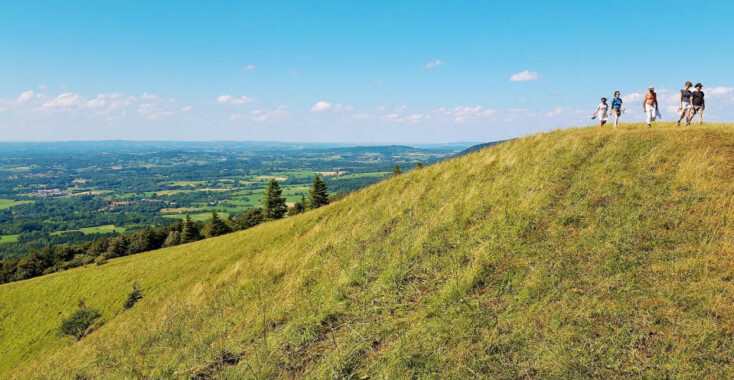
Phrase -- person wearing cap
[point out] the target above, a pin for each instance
(617, 107)
(698, 104)
(685, 103)
(650, 106)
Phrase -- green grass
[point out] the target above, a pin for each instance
(583, 253)
(105, 229)
(9, 238)
(200, 217)
(360, 175)
(8, 203)
(184, 183)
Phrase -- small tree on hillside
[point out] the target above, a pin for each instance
(174, 238)
(135, 295)
(419, 165)
(275, 207)
(318, 196)
(249, 219)
(118, 247)
(189, 231)
(396, 171)
(80, 322)
(216, 226)
(298, 207)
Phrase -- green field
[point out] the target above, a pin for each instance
(8, 203)
(200, 217)
(184, 183)
(361, 175)
(106, 229)
(9, 238)
(586, 253)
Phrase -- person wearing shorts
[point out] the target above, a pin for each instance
(650, 106)
(617, 108)
(685, 104)
(698, 104)
(602, 112)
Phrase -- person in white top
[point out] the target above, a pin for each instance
(602, 112)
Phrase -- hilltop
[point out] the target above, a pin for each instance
(581, 253)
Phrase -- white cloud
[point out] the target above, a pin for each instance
(148, 96)
(42, 87)
(632, 97)
(321, 106)
(525, 76)
(263, 115)
(719, 90)
(64, 101)
(249, 68)
(236, 116)
(554, 112)
(229, 99)
(462, 114)
(417, 117)
(187, 108)
(433, 64)
(27, 95)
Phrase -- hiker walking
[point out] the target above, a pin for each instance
(602, 112)
(617, 107)
(650, 106)
(698, 104)
(685, 104)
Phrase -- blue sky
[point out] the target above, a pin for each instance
(377, 71)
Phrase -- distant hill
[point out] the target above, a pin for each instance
(582, 253)
(478, 147)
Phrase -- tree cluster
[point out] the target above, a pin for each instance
(56, 258)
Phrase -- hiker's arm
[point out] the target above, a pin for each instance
(680, 99)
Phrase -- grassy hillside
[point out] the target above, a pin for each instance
(584, 253)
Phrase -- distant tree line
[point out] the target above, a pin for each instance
(61, 257)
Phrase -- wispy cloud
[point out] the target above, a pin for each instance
(433, 64)
(64, 101)
(463, 114)
(323, 106)
(229, 99)
(525, 76)
(249, 68)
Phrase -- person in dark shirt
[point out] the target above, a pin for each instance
(617, 108)
(685, 104)
(699, 104)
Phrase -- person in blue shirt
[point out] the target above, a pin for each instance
(617, 108)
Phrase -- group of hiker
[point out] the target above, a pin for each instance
(691, 103)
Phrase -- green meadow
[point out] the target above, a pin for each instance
(105, 229)
(8, 203)
(579, 253)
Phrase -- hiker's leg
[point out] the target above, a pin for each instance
(650, 115)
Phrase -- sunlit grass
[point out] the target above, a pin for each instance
(584, 253)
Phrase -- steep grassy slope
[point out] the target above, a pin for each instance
(573, 254)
